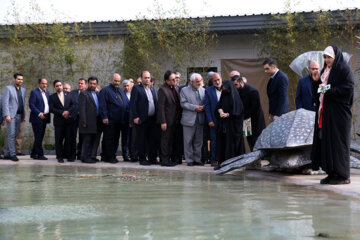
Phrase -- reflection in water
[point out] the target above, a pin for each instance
(61, 202)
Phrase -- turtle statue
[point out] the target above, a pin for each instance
(285, 144)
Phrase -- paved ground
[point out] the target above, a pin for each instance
(352, 189)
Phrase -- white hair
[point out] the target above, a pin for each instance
(126, 81)
(194, 76)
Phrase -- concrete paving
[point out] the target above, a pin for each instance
(352, 189)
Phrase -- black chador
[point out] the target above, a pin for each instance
(229, 134)
(331, 145)
(252, 109)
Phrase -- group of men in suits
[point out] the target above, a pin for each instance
(151, 122)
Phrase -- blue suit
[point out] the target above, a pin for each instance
(1, 116)
(277, 91)
(114, 106)
(304, 94)
(37, 106)
(210, 102)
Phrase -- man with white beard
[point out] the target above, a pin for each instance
(212, 96)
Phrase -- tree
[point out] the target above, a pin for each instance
(171, 40)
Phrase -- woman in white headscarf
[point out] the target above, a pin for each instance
(331, 144)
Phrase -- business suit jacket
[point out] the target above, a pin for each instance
(167, 109)
(210, 102)
(304, 94)
(277, 91)
(139, 104)
(37, 106)
(10, 101)
(111, 107)
(87, 113)
(57, 109)
(188, 103)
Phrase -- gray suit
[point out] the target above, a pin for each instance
(192, 122)
(9, 108)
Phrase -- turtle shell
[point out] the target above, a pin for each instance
(294, 129)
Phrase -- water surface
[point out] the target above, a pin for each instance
(67, 202)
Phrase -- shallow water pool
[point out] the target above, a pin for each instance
(67, 202)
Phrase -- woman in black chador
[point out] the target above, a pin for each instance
(229, 130)
(331, 145)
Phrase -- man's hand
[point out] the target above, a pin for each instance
(211, 124)
(66, 114)
(275, 117)
(163, 127)
(106, 121)
(42, 116)
(199, 108)
(8, 119)
(137, 121)
(84, 125)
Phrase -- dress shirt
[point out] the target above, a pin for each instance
(20, 109)
(46, 104)
(96, 101)
(61, 97)
(218, 93)
(150, 98)
(128, 94)
(272, 76)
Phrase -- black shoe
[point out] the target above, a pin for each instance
(126, 159)
(14, 158)
(95, 159)
(1, 157)
(168, 164)
(71, 160)
(190, 164)
(20, 154)
(113, 161)
(155, 162)
(78, 157)
(104, 159)
(7, 157)
(134, 159)
(198, 163)
(91, 161)
(217, 167)
(325, 180)
(41, 158)
(34, 156)
(145, 163)
(60, 160)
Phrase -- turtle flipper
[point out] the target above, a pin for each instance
(240, 161)
(354, 162)
(354, 147)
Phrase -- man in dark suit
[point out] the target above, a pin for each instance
(304, 93)
(143, 108)
(89, 121)
(76, 149)
(63, 108)
(252, 108)
(39, 117)
(212, 96)
(277, 89)
(114, 111)
(167, 116)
